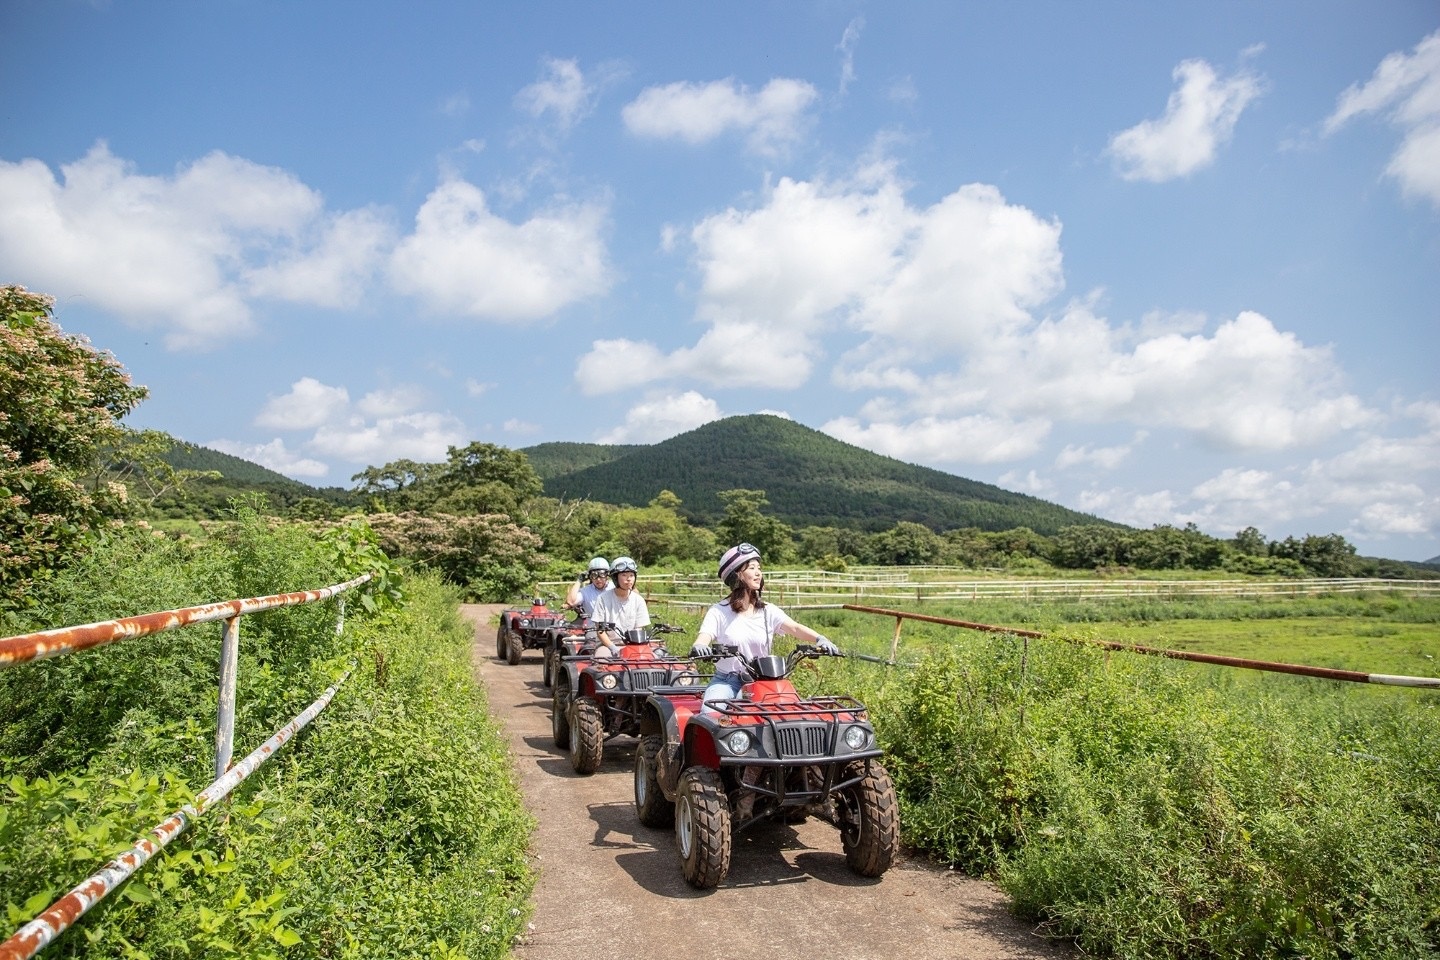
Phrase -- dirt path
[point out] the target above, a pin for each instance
(610, 885)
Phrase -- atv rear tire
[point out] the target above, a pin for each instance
(702, 828)
(546, 666)
(560, 714)
(869, 820)
(587, 735)
(650, 804)
(514, 648)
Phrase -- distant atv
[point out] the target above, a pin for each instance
(594, 699)
(567, 638)
(522, 629)
(767, 753)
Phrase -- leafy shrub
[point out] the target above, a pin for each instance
(1128, 804)
(391, 827)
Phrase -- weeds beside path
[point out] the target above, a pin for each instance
(605, 879)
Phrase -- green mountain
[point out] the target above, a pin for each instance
(554, 459)
(809, 477)
(238, 471)
(209, 497)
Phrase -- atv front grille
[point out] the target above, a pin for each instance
(645, 679)
(803, 739)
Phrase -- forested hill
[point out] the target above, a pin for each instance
(554, 459)
(185, 456)
(809, 478)
(208, 497)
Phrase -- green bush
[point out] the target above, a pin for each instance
(1144, 811)
(391, 827)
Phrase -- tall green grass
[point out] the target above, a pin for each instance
(1146, 808)
(392, 826)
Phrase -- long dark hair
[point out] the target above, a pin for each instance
(740, 593)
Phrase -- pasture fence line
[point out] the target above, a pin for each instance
(31, 938)
(1298, 669)
(808, 587)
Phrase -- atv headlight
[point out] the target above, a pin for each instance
(684, 681)
(608, 681)
(524, 621)
(737, 742)
(856, 738)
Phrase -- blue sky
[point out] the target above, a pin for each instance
(1164, 263)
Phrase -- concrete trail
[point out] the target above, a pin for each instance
(609, 884)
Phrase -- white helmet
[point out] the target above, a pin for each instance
(601, 564)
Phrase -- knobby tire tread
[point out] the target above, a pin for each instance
(871, 851)
(587, 736)
(709, 859)
(650, 804)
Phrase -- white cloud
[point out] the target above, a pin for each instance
(1247, 386)
(391, 402)
(1379, 487)
(1406, 89)
(274, 456)
(973, 439)
(168, 252)
(563, 92)
(383, 425)
(514, 425)
(1105, 458)
(1129, 507)
(308, 404)
(475, 388)
(1199, 118)
(455, 105)
(463, 259)
(848, 42)
(968, 272)
(614, 365)
(1029, 482)
(335, 272)
(771, 120)
(415, 436)
(902, 90)
(660, 417)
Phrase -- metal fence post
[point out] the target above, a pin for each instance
(225, 718)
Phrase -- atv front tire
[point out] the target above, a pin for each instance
(869, 820)
(702, 828)
(502, 641)
(587, 735)
(650, 804)
(514, 648)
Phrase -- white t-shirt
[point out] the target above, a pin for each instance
(631, 613)
(752, 631)
(589, 593)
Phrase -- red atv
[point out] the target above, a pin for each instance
(594, 699)
(522, 629)
(566, 638)
(767, 753)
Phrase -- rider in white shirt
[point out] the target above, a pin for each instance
(588, 588)
(621, 605)
(746, 621)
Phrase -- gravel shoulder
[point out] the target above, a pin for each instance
(608, 883)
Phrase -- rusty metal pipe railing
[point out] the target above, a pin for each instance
(53, 643)
(1300, 669)
(59, 916)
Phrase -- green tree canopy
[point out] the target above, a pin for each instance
(61, 402)
(744, 523)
